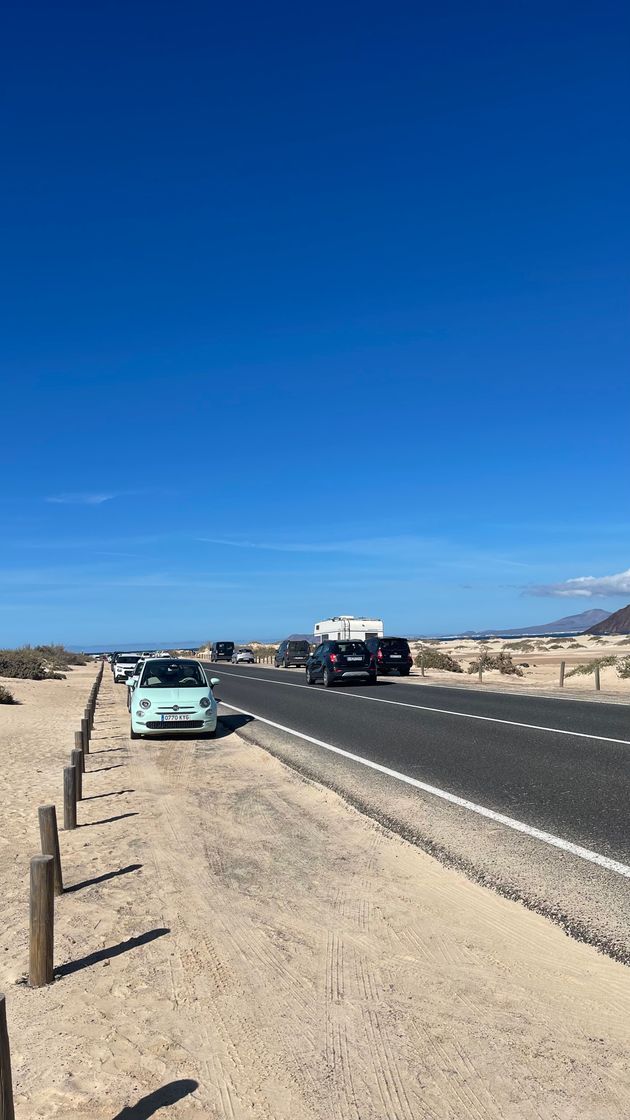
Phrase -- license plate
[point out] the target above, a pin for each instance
(354, 659)
(396, 656)
(175, 719)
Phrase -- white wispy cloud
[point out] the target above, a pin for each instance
(585, 587)
(84, 499)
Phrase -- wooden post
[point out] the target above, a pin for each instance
(597, 680)
(85, 732)
(49, 837)
(422, 663)
(78, 744)
(42, 917)
(69, 797)
(562, 668)
(6, 1084)
(76, 760)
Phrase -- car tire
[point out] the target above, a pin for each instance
(372, 679)
(309, 679)
(405, 672)
(286, 663)
(326, 678)
(134, 734)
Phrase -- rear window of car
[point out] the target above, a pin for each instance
(298, 647)
(173, 674)
(127, 659)
(350, 647)
(222, 646)
(397, 644)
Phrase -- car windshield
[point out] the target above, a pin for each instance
(298, 647)
(349, 647)
(173, 674)
(245, 649)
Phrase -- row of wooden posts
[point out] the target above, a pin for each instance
(46, 881)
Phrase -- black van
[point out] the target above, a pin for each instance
(390, 653)
(291, 653)
(222, 651)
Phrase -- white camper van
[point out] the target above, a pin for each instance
(348, 627)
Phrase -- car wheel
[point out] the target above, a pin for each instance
(286, 663)
(372, 678)
(309, 679)
(134, 734)
(326, 679)
(405, 672)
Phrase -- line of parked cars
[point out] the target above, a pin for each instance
(166, 695)
(330, 661)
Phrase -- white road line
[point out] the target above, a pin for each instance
(453, 799)
(442, 711)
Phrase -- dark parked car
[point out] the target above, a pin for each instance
(390, 653)
(292, 653)
(222, 651)
(340, 661)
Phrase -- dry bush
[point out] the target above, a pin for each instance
(435, 659)
(6, 697)
(589, 667)
(24, 663)
(501, 661)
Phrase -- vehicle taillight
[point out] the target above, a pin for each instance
(332, 657)
(380, 655)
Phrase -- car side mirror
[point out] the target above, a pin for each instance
(213, 681)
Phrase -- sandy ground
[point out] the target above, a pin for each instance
(256, 948)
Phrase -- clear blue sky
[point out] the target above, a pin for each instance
(309, 311)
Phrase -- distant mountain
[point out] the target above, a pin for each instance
(617, 623)
(570, 624)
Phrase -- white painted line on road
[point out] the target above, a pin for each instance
(452, 798)
(442, 711)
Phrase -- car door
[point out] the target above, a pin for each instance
(318, 661)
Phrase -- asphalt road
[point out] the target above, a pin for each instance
(548, 763)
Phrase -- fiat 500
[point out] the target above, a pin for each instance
(173, 695)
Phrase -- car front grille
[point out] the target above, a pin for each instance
(189, 725)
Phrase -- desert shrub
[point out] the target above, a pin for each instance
(436, 659)
(6, 697)
(265, 651)
(520, 647)
(56, 657)
(589, 667)
(25, 663)
(501, 661)
(623, 667)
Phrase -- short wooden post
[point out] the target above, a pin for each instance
(78, 742)
(49, 837)
(422, 664)
(562, 668)
(480, 671)
(69, 797)
(76, 760)
(597, 680)
(42, 917)
(7, 1111)
(85, 731)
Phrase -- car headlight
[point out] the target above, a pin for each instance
(204, 702)
(145, 704)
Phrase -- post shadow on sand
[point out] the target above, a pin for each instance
(107, 820)
(168, 1094)
(102, 878)
(102, 769)
(113, 793)
(111, 951)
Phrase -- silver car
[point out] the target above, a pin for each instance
(243, 656)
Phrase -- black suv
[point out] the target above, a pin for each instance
(222, 651)
(291, 653)
(339, 661)
(390, 653)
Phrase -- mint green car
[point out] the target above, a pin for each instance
(171, 696)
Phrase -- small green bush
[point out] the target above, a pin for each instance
(436, 659)
(6, 697)
(58, 658)
(520, 647)
(589, 667)
(501, 661)
(623, 667)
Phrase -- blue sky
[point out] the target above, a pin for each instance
(311, 311)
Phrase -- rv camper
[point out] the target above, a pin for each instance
(347, 627)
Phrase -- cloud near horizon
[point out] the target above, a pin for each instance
(585, 587)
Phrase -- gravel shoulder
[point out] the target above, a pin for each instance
(263, 949)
